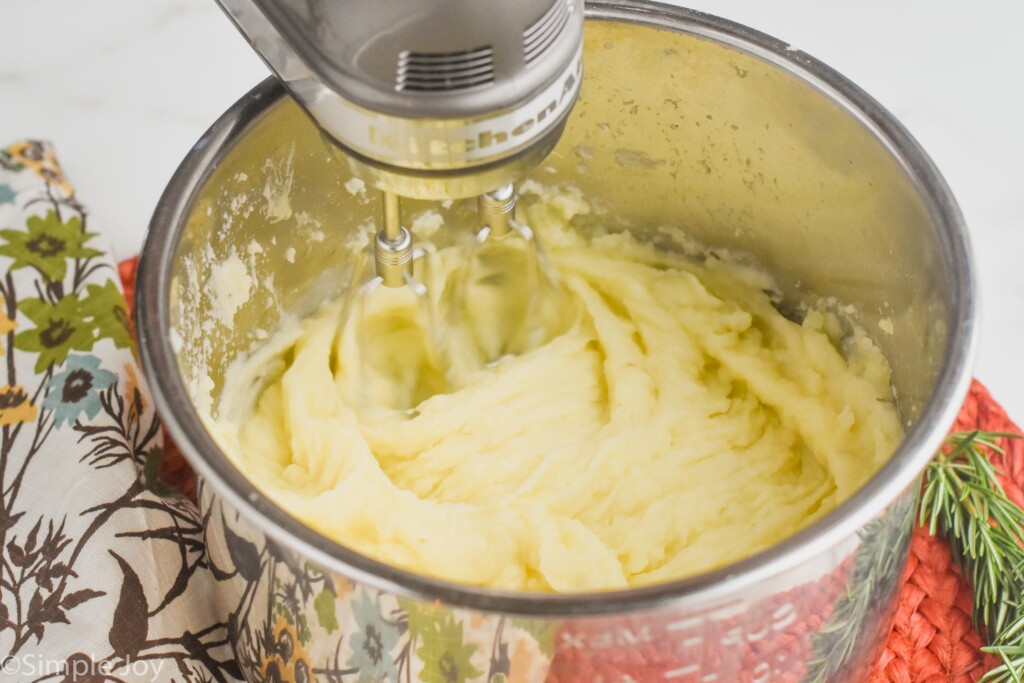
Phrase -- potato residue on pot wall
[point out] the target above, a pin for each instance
(678, 424)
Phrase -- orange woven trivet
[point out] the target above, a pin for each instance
(932, 639)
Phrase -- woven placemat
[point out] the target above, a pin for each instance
(932, 639)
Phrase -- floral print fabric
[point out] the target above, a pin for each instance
(103, 575)
(106, 573)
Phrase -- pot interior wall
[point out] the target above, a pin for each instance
(671, 128)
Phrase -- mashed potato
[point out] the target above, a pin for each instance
(673, 423)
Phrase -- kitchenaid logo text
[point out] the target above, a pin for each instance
(491, 136)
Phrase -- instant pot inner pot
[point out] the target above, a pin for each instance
(671, 128)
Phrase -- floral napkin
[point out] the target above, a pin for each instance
(103, 575)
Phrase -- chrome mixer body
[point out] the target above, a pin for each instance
(432, 99)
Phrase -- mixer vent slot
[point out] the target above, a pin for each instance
(546, 30)
(445, 71)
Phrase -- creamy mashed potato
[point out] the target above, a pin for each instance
(671, 422)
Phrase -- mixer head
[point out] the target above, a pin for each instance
(431, 99)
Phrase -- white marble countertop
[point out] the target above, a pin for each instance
(125, 87)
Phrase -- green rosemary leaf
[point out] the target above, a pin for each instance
(963, 500)
(875, 568)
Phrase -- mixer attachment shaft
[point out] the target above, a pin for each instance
(496, 211)
(392, 246)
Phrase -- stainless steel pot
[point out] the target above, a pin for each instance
(684, 119)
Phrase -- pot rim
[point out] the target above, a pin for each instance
(900, 472)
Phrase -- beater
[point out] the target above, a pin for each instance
(431, 99)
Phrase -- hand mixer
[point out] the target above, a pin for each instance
(432, 99)
(435, 100)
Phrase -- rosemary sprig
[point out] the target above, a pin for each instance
(878, 561)
(963, 500)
